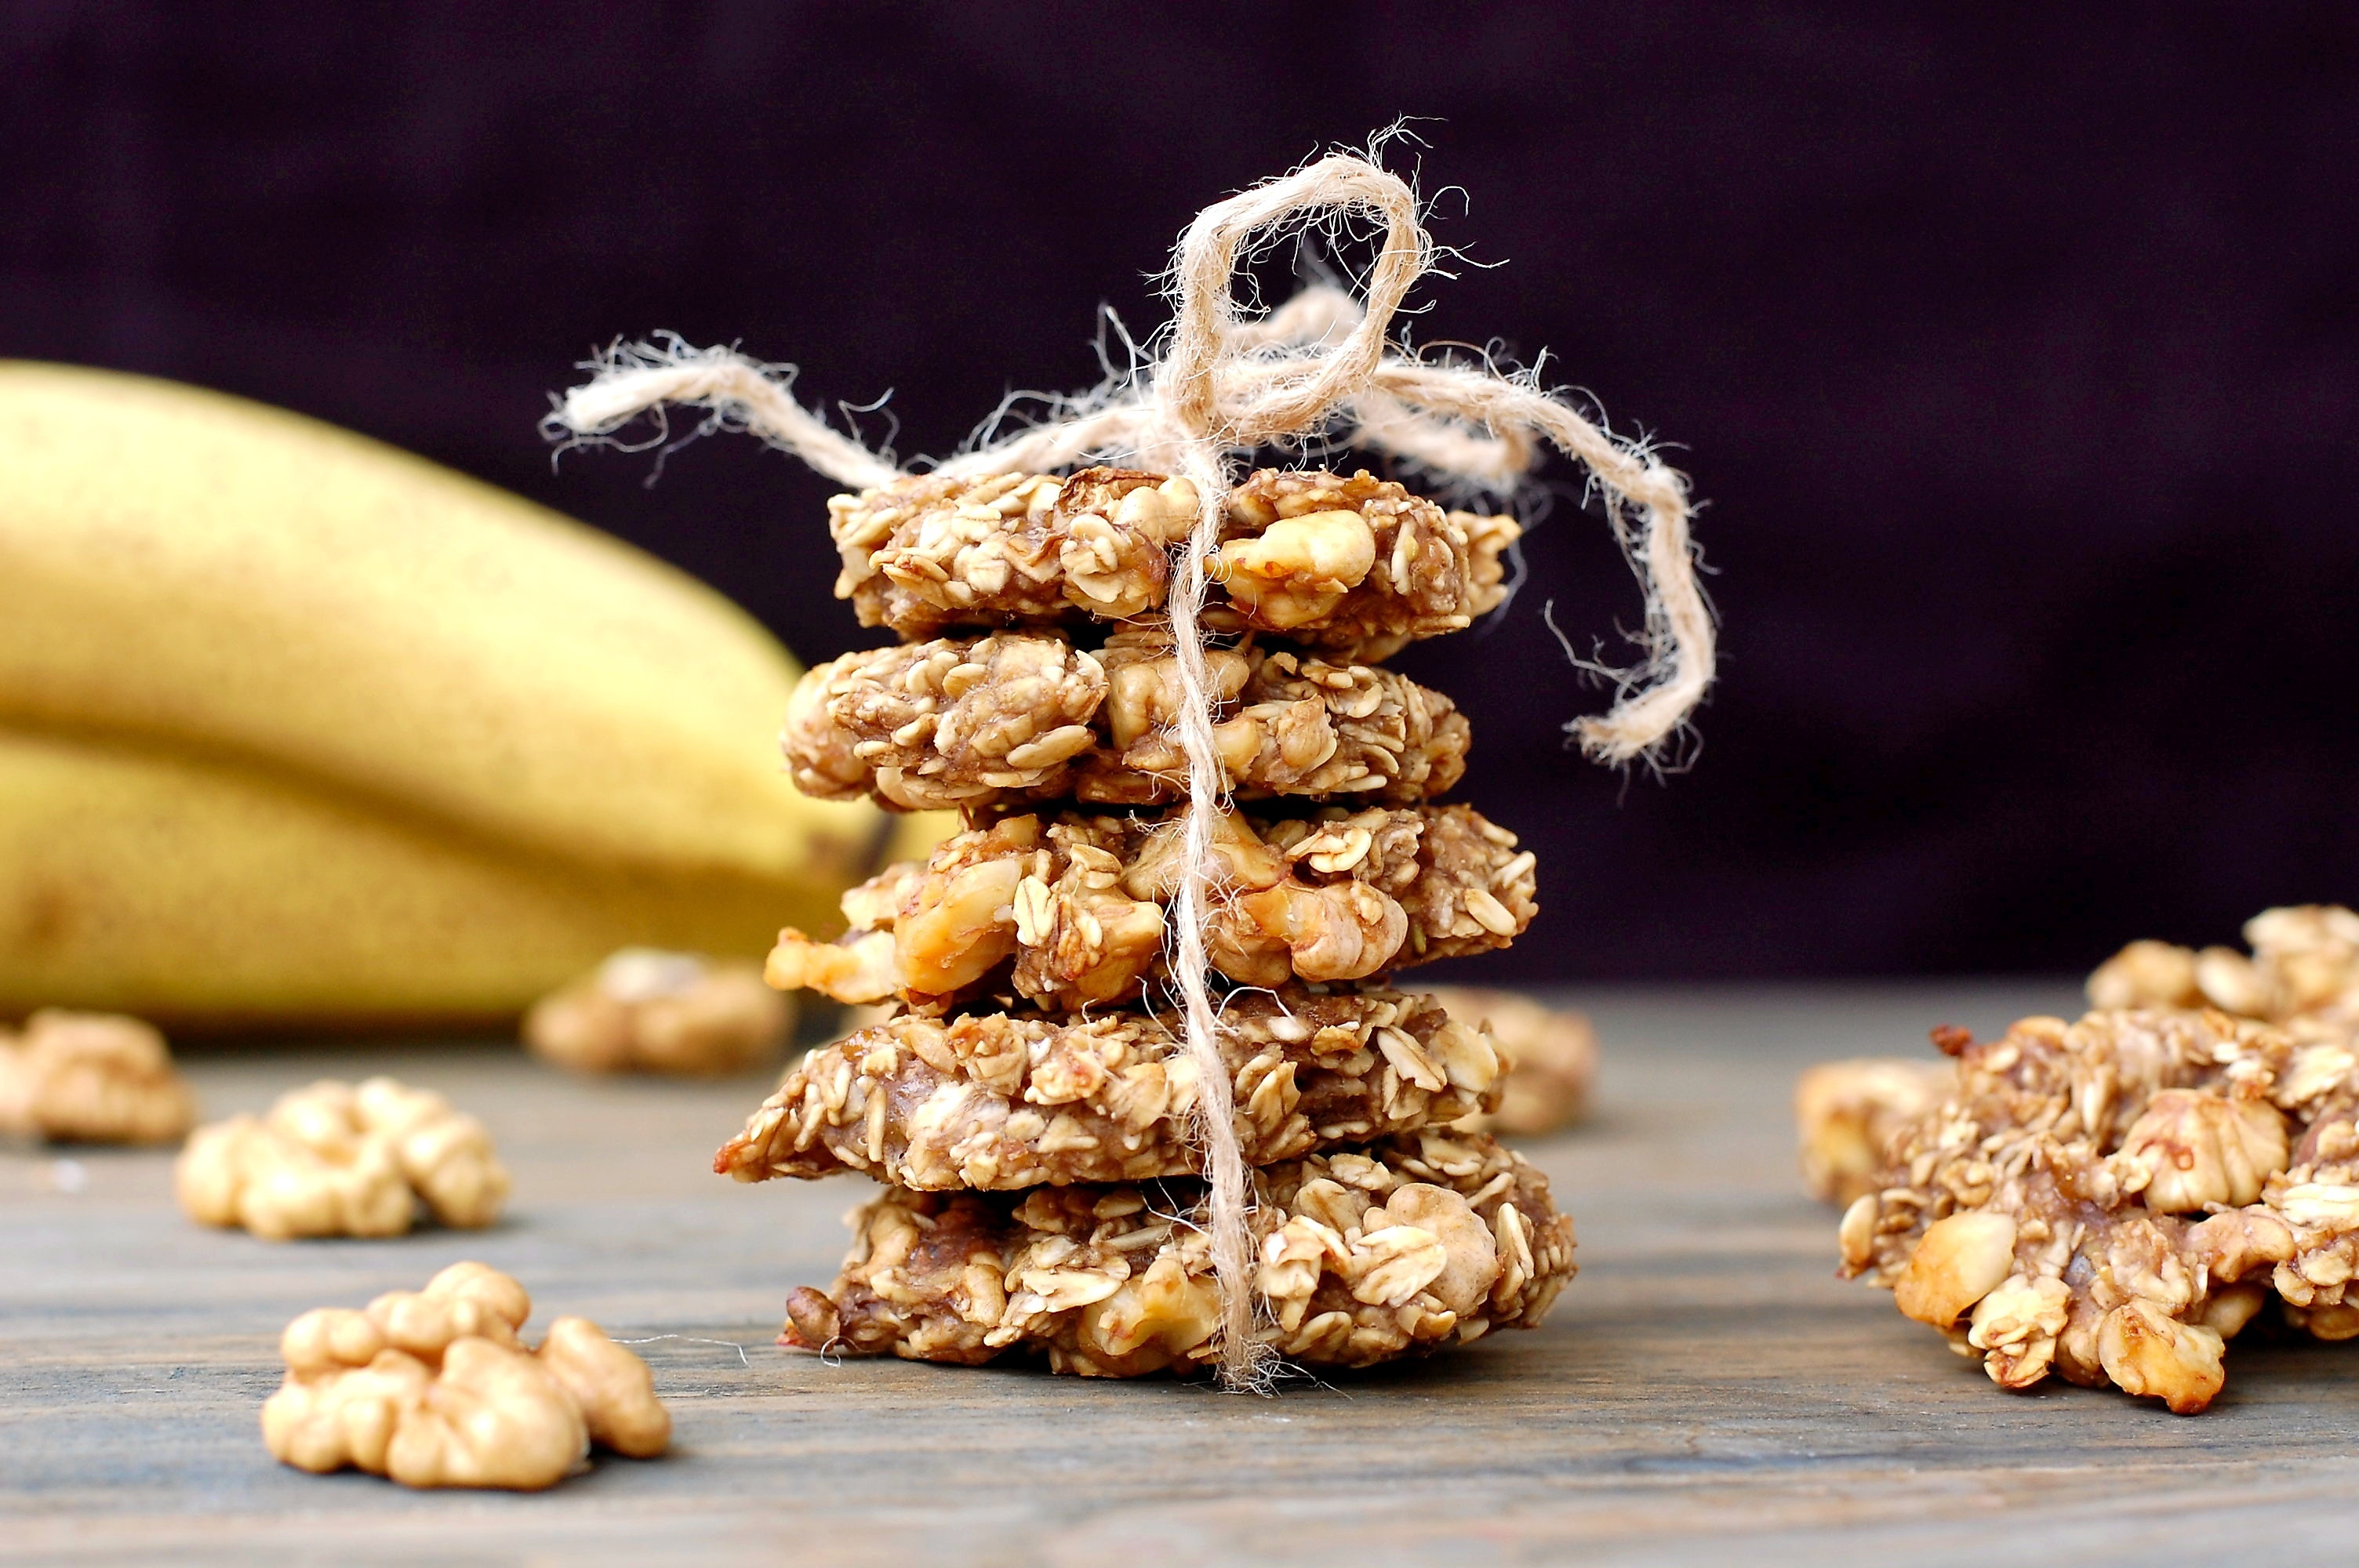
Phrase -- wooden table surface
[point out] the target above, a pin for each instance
(1706, 1389)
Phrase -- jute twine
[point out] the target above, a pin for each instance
(1321, 370)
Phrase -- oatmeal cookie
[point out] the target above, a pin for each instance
(2112, 1200)
(998, 1101)
(1408, 1247)
(1845, 1113)
(1551, 1055)
(1017, 716)
(1355, 564)
(2303, 973)
(1069, 912)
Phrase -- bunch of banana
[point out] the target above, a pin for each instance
(295, 726)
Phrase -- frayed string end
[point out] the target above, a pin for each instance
(737, 392)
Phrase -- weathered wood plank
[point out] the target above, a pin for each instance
(1705, 1389)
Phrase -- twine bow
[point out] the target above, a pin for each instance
(1320, 370)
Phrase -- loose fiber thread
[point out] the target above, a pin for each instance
(1319, 370)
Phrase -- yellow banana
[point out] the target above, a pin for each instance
(157, 884)
(914, 836)
(294, 725)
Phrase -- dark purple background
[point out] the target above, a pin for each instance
(2013, 351)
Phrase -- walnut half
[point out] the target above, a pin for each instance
(333, 1159)
(91, 1077)
(433, 1388)
(652, 1011)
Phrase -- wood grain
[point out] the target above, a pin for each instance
(1705, 1390)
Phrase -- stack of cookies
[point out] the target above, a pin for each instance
(1027, 1100)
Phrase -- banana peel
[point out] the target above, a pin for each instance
(298, 727)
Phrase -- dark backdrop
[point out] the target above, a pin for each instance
(2012, 349)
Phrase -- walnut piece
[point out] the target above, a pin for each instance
(2016, 1327)
(2199, 1147)
(1015, 716)
(91, 1077)
(1845, 1111)
(1069, 912)
(1298, 569)
(2145, 1351)
(1551, 1054)
(1404, 1248)
(432, 1388)
(333, 1159)
(2114, 1199)
(1353, 564)
(992, 1101)
(652, 1011)
(1961, 1259)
